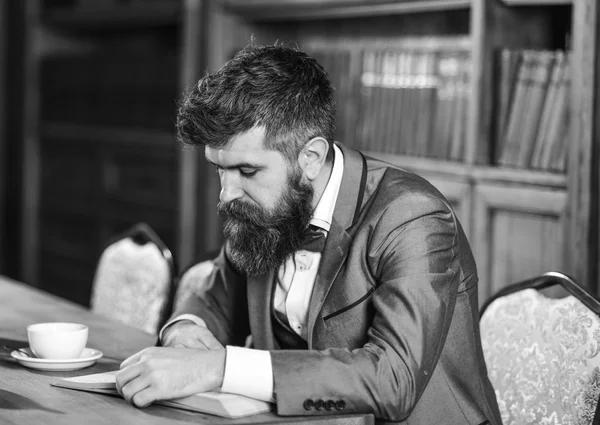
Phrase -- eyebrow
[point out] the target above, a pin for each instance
(238, 165)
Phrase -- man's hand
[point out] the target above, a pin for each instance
(187, 334)
(161, 373)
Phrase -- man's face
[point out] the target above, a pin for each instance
(263, 200)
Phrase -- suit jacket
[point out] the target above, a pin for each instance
(393, 322)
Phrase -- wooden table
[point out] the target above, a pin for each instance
(26, 397)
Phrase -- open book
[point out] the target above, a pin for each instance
(212, 402)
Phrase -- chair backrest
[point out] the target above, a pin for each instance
(134, 279)
(192, 280)
(542, 353)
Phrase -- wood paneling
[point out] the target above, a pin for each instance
(518, 234)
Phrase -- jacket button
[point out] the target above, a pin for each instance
(330, 405)
(340, 405)
(308, 404)
(319, 404)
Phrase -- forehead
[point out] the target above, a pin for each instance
(243, 148)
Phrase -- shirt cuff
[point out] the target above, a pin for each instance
(248, 372)
(191, 317)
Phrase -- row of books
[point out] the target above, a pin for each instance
(402, 101)
(408, 101)
(138, 91)
(532, 109)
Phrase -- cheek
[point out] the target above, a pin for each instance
(267, 195)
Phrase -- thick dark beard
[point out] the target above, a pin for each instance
(258, 240)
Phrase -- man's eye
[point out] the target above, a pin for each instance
(248, 172)
(218, 169)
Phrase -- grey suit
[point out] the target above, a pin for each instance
(393, 323)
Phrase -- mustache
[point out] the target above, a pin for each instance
(248, 213)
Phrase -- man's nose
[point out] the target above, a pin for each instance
(230, 187)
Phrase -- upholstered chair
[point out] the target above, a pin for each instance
(191, 281)
(134, 280)
(543, 353)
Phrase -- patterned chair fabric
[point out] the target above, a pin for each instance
(191, 281)
(134, 280)
(542, 353)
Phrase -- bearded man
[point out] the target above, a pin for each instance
(353, 277)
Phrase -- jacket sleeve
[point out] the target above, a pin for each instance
(412, 253)
(221, 301)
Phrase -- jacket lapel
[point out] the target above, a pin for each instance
(259, 291)
(338, 239)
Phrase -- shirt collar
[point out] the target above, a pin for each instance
(323, 214)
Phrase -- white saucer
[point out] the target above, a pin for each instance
(87, 358)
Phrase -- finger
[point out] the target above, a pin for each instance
(144, 397)
(124, 376)
(131, 360)
(133, 387)
(207, 338)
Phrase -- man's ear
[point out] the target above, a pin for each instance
(312, 158)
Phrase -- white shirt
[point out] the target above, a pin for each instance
(249, 371)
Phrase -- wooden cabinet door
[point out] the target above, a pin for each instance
(518, 233)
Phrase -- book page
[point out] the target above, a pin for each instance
(96, 380)
(213, 402)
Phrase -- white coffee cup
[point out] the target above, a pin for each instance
(57, 340)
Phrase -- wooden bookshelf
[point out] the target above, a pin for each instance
(500, 206)
(520, 220)
(100, 151)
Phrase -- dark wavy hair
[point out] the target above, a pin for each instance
(280, 88)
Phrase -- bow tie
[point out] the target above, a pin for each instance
(314, 239)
